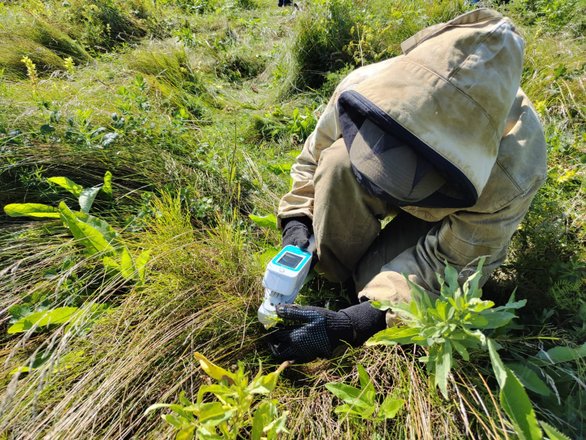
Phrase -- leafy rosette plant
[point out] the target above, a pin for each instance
(230, 407)
(452, 323)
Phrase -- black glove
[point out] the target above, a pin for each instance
(296, 231)
(316, 331)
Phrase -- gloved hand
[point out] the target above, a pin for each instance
(296, 231)
(315, 332)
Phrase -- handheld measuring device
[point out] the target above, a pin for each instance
(283, 279)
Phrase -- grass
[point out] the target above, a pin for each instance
(198, 108)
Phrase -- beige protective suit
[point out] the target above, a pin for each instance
(442, 138)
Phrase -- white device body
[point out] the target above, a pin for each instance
(283, 279)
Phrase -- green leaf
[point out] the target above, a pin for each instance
(67, 184)
(156, 406)
(110, 263)
(267, 255)
(186, 433)
(31, 210)
(451, 279)
(443, 365)
(214, 413)
(512, 305)
(265, 221)
(366, 383)
(461, 349)
(141, 262)
(473, 281)
(87, 197)
(490, 319)
(394, 335)
(529, 379)
(557, 355)
(441, 308)
(280, 168)
(91, 238)
(514, 399)
(552, 433)
(390, 407)
(381, 305)
(126, 264)
(264, 384)
(173, 420)
(497, 364)
(349, 394)
(262, 415)
(107, 187)
(277, 426)
(213, 370)
(59, 315)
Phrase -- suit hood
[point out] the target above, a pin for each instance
(426, 128)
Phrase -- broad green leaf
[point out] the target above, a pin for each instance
(126, 264)
(390, 407)
(219, 390)
(493, 319)
(260, 419)
(394, 335)
(107, 187)
(59, 315)
(552, 433)
(173, 420)
(497, 364)
(277, 426)
(443, 365)
(441, 308)
(67, 184)
(364, 412)
(264, 257)
(514, 399)
(264, 384)
(265, 221)
(19, 370)
(512, 305)
(87, 197)
(451, 278)
(479, 305)
(517, 405)
(529, 378)
(90, 237)
(214, 413)
(213, 370)
(100, 225)
(557, 355)
(461, 349)
(366, 382)
(110, 263)
(473, 281)
(186, 433)
(349, 394)
(31, 210)
(141, 263)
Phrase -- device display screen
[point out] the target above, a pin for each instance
(289, 260)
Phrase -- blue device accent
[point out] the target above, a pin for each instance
(291, 258)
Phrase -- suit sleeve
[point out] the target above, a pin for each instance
(299, 200)
(460, 240)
